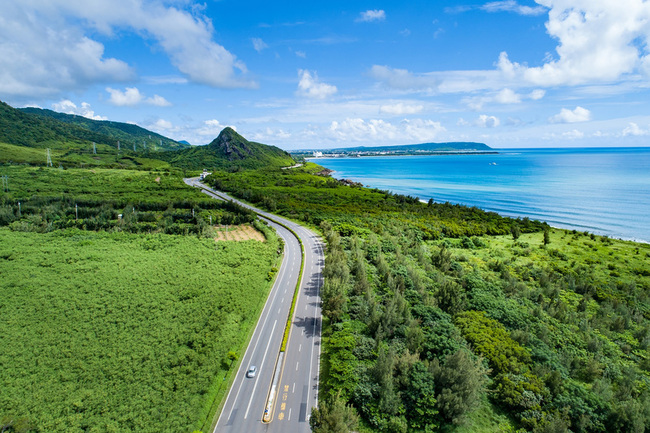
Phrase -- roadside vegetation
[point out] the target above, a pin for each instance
(447, 318)
(118, 309)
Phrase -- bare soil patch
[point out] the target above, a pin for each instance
(243, 232)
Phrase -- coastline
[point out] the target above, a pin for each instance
(562, 225)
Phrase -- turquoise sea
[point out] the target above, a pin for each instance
(601, 190)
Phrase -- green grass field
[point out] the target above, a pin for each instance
(114, 332)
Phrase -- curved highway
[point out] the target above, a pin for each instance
(297, 383)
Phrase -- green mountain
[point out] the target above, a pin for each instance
(24, 138)
(229, 151)
(422, 147)
(25, 129)
(128, 134)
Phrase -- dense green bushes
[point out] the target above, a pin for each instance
(436, 325)
(122, 332)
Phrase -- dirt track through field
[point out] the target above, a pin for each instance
(237, 233)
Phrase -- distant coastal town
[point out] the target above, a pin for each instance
(453, 148)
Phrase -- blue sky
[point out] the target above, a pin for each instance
(509, 73)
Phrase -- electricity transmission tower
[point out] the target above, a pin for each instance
(49, 159)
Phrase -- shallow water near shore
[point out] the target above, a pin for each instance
(605, 191)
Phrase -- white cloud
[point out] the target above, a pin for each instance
(599, 40)
(485, 121)
(310, 87)
(635, 130)
(49, 48)
(158, 101)
(400, 109)
(301, 54)
(270, 135)
(573, 134)
(210, 128)
(537, 94)
(68, 107)
(372, 15)
(507, 96)
(163, 125)
(131, 96)
(571, 116)
(402, 79)
(512, 6)
(375, 130)
(259, 44)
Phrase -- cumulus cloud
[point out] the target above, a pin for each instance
(131, 96)
(400, 109)
(375, 130)
(271, 135)
(485, 121)
(259, 45)
(571, 116)
(163, 125)
(68, 107)
(211, 128)
(537, 94)
(635, 130)
(507, 96)
(599, 40)
(49, 48)
(309, 86)
(573, 134)
(372, 15)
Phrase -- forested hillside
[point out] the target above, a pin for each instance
(447, 318)
(128, 133)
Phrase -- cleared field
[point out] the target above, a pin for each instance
(238, 233)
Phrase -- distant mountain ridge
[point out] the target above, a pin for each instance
(68, 141)
(230, 150)
(425, 147)
(127, 133)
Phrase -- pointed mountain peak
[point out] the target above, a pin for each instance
(232, 144)
(228, 136)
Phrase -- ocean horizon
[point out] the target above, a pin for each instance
(605, 191)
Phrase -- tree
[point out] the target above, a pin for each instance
(515, 231)
(460, 381)
(451, 297)
(333, 416)
(419, 398)
(547, 236)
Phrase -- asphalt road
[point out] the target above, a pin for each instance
(297, 390)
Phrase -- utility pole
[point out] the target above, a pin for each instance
(76, 213)
(94, 149)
